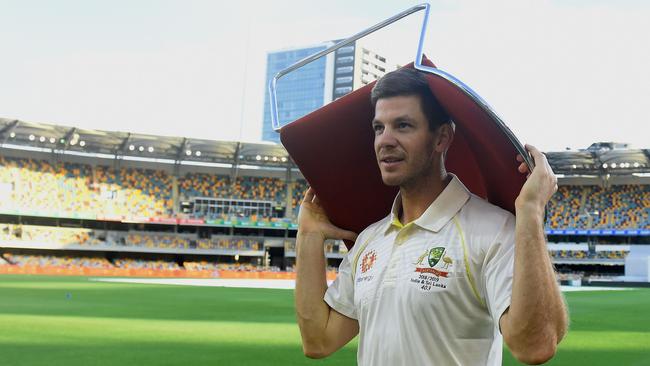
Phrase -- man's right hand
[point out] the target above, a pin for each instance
(312, 220)
(323, 329)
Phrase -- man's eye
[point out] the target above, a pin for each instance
(377, 128)
(404, 125)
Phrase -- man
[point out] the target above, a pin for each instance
(446, 276)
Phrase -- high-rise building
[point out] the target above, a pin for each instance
(356, 66)
(319, 82)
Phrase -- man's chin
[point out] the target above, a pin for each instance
(391, 181)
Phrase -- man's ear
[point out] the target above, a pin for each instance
(444, 138)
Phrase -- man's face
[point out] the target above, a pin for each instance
(404, 145)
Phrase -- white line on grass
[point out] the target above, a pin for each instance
(271, 284)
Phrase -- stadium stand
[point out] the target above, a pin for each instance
(565, 207)
(593, 207)
(596, 253)
(67, 189)
(204, 185)
(231, 243)
(54, 202)
(48, 235)
(78, 189)
(218, 186)
(574, 254)
(160, 265)
(149, 240)
(56, 261)
(299, 188)
(200, 266)
(259, 188)
(331, 246)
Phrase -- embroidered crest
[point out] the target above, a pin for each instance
(432, 269)
(434, 255)
(368, 261)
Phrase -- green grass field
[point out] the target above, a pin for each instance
(72, 321)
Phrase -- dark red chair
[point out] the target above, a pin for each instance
(333, 147)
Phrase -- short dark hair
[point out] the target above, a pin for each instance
(407, 82)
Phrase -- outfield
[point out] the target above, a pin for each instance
(72, 321)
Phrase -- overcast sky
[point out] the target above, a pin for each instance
(560, 73)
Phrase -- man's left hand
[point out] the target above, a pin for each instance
(540, 184)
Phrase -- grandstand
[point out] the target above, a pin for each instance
(112, 200)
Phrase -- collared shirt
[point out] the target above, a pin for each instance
(430, 292)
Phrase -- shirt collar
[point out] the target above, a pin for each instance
(441, 210)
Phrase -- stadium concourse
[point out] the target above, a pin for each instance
(102, 203)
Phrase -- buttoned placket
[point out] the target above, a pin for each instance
(392, 270)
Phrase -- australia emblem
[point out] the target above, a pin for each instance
(433, 257)
(432, 269)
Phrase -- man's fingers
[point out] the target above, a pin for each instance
(541, 161)
(538, 157)
(523, 168)
(309, 195)
(347, 235)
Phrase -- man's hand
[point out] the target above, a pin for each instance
(537, 319)
(312, 220)
(323, 330)
(540, 184)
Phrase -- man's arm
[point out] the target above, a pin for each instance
(323, 330)
(537, 319)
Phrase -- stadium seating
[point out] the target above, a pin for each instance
(54, 188)
(570, 254)
(331, 246)
(126, 263)
(582, 254)
(129, 263)
(231, 243)
(204, 185)
(48, 235)
(69, 189)
(593, 207)
(51, 188)
(564, 208)
(56, 261)
(200, 266)
(150, 240)
(219, 186)
(259, 188)
(299, 188)
(239, 267)
(134, 192)
(87, 237)
(66, 189)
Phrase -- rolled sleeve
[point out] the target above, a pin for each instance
(498, 270)
(340, 294)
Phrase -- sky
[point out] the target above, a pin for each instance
(561, 74)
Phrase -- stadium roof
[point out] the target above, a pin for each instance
(599, 159)
(47, 137)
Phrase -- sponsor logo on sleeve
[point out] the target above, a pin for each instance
(367, 262)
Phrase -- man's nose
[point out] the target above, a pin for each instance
(386, 138)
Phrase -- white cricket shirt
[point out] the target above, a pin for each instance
(431, 292)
